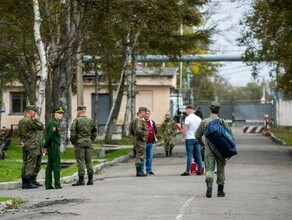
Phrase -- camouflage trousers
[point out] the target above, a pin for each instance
(83, 158)
(29, 157)
(38, 163)
(140, 152)
(168, 143)
(210, 160)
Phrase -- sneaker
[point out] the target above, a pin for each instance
(151, 173)
(185, 174)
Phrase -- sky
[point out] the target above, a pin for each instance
(226, 14)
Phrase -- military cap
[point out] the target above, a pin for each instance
(167, 115)
(214, 105)
(141, 109)
(31, 107)
(59, 110)
(81, 107)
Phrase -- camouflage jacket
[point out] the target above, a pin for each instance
(200, 132)
(83, 131)
(140, 129)
(168, 128)
(28, 132)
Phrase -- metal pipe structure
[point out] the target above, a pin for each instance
(190, 58)
(183, 58)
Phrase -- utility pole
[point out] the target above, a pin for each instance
(188, 72)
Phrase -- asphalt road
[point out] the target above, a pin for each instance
(258, 186)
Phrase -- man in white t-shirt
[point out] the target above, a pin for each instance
(191, 124)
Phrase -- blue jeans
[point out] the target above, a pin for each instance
(193, 145)
(149, 156)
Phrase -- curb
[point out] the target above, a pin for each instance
(277, 140)
(64, 180)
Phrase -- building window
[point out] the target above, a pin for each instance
(18, 102)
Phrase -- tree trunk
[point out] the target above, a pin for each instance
(112, 119)
(127, 115)
(1, 101)
(130, 112)
(49, 99)
(96, 97)
(42, 56)
(69, 60)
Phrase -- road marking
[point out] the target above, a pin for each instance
(182, 209)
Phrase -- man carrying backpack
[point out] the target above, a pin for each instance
(212, 154)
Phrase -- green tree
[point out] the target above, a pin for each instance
(142, 27)
(7, 76)
(267, 36)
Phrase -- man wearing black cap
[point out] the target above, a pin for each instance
(212, 155)
(27, 133)
(82, 132)
(52, 145)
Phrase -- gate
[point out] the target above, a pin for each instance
(240, 113)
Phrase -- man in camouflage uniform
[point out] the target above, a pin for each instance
(168, 131)
(140, 138)
(52, 146)
(40, 138)
(131, 132)
(83, 132)
(27, 133)
(212, 155)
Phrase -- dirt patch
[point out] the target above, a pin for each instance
(56, 202)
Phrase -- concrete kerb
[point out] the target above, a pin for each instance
(64, 180)
(67, 179)
(277, 140)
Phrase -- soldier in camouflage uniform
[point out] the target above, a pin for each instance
(27, 133)
(40, 138)
(168, 131)
(131, 132)
(52, 146)
(140, 138)
(83, 132)
(212, 155)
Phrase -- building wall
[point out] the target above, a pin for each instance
(153, 93)
(284, 113)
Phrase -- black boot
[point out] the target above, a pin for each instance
(34, 181)
(24, 182)
(27, 183)
(220, 192)
(209, 189)
(139, 173)
(90, 179)
(80, 182)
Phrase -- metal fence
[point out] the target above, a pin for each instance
(240, 112)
